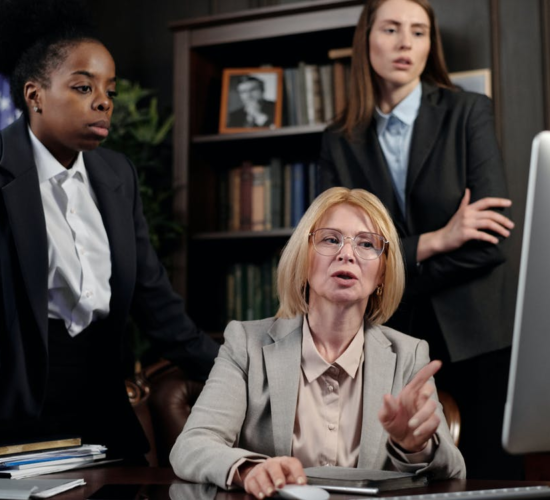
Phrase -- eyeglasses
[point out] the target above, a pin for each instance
(367, 246)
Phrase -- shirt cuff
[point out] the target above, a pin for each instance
(234, 476)
(423, 456)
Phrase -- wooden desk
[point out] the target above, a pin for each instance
(164, 485)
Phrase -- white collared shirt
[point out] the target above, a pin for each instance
(79, 257)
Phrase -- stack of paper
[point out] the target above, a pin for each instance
(47, 462)
(35, 488)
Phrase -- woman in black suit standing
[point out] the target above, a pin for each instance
(75, 255)
(429, 152)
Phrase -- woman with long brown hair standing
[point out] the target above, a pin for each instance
(429, 152)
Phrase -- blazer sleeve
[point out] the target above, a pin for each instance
(160, 312)
(447, 462)
(485, 178)
(204, 451)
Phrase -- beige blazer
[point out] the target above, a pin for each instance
(248, 405)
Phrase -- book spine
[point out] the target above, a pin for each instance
(267, 199)
(234, 199)
(290, 95)
(230, 295)
(327, 91)
(312, 182)
(310, 93)
(238, 292)
(266, 285)
(287, 197)
(301, 94)
(223, 201)
(246, 197)
(298, 192)
(276, 193)
(258, 201)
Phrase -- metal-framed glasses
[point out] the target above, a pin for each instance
(367, 246)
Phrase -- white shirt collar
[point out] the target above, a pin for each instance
(48, 167)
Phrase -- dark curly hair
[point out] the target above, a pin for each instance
(36, 37)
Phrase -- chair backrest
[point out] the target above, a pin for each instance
(162, 396)
(452, 414)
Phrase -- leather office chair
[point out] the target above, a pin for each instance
(452, 414)
(162, 397)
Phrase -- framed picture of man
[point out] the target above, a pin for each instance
(252, 99)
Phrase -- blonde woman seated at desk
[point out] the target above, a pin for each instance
(322, 383)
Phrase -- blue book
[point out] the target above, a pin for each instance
(298, 193)
(276, 168)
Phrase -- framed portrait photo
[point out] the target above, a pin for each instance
(252, 99)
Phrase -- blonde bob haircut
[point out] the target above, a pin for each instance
(292, 273)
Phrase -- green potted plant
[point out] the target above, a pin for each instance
(138, 131)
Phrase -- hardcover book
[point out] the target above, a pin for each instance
(380, 480)
(39, 445)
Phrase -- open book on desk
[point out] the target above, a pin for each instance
(369, 481)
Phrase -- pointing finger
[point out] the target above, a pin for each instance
(424, 375)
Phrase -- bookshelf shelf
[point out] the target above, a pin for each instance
(261, 134)
(219, 276)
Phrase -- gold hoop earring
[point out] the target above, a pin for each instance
(379, 289)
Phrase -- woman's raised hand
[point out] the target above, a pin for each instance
(263, 479)
(410, 418)
(470, 222)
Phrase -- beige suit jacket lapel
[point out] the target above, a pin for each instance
(379, 369)
(282, 361)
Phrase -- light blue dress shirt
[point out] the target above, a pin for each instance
(394, 134)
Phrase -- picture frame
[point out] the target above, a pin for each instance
(477, 80)
(252, 99)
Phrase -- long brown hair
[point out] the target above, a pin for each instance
(362, 91)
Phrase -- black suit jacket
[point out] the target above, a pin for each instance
(139, 284)
(453, 147)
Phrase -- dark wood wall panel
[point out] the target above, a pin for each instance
(466, 33)
(522, 98)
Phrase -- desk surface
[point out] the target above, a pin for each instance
(165, 485)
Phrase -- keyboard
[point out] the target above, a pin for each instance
(520, 493)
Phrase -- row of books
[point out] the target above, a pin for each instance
(266, 197)
(47, 456)
(315, 93)
(252, 290)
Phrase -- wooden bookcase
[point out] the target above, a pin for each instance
(277, 36)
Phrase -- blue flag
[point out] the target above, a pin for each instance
(8, 112)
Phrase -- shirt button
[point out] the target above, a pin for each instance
(330, 388)
(73, 211)
(331, 427)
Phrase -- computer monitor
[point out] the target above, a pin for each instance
(527, 412)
